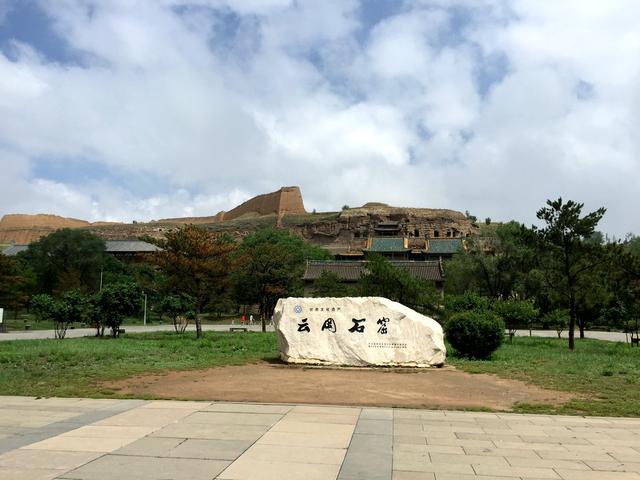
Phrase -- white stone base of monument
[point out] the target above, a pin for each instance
(356, 331)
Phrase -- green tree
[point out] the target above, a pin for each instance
(78, 305)
(623, 275)
(71, 307)
(16, 283)
(196, 263)
(65, 260)
(385, 280)
(498, 265)
(516, 314)
(467, 302)
(632, 245)
(116, 301)
(557, 319)
(42, 306)
(180, 309)
(566, 255)
(270, 266)
(61, 315)
(328, 284)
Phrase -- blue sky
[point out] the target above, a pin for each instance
(119, 110)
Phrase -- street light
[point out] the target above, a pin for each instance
(144, 318)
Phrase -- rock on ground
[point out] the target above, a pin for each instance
(356, 331)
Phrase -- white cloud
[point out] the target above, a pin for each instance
(302, 93)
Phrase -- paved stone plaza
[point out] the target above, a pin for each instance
(133, 439)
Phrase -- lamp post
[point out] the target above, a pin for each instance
(144, 318)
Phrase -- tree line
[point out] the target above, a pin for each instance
(564, 274)
(67, 277)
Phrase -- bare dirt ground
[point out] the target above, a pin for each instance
(273, 383)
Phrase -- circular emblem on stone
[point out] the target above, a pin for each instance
(297, 309)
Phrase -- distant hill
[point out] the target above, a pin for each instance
(20, 228)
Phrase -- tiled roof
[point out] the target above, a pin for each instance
(352, 271)
(387, 245)
(13, 250)
(138, 246)
(444, 246)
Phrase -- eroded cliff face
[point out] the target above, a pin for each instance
(350, 229)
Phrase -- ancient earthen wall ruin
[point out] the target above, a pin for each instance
(285, 200)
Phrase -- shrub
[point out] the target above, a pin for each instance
(466, 302)
(475, 334)
(62, 316)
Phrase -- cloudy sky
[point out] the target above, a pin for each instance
(138, 110)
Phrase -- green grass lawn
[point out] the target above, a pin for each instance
(74, 366)
(605, 375)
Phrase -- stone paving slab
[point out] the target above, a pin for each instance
(76, 412)
(250, 469)
(85, 439)
(120, 467)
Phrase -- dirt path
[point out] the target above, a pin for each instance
(263, 382)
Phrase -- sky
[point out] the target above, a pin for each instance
(145, 109)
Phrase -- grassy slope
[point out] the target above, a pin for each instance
(606, 375)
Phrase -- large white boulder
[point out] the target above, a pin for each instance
(356, 331)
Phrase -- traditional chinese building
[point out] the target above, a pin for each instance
(350, 272)
(124, 250)
(403, 248)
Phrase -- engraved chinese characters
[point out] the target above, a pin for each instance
(356, 331)
(358, 325)
(329, 324)
(303, 326)
(383, 326)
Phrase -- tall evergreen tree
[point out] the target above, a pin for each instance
(565, 251)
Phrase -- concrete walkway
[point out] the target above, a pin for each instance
(84, 439)
(85, 332)
(89, 332)
(609, 336)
